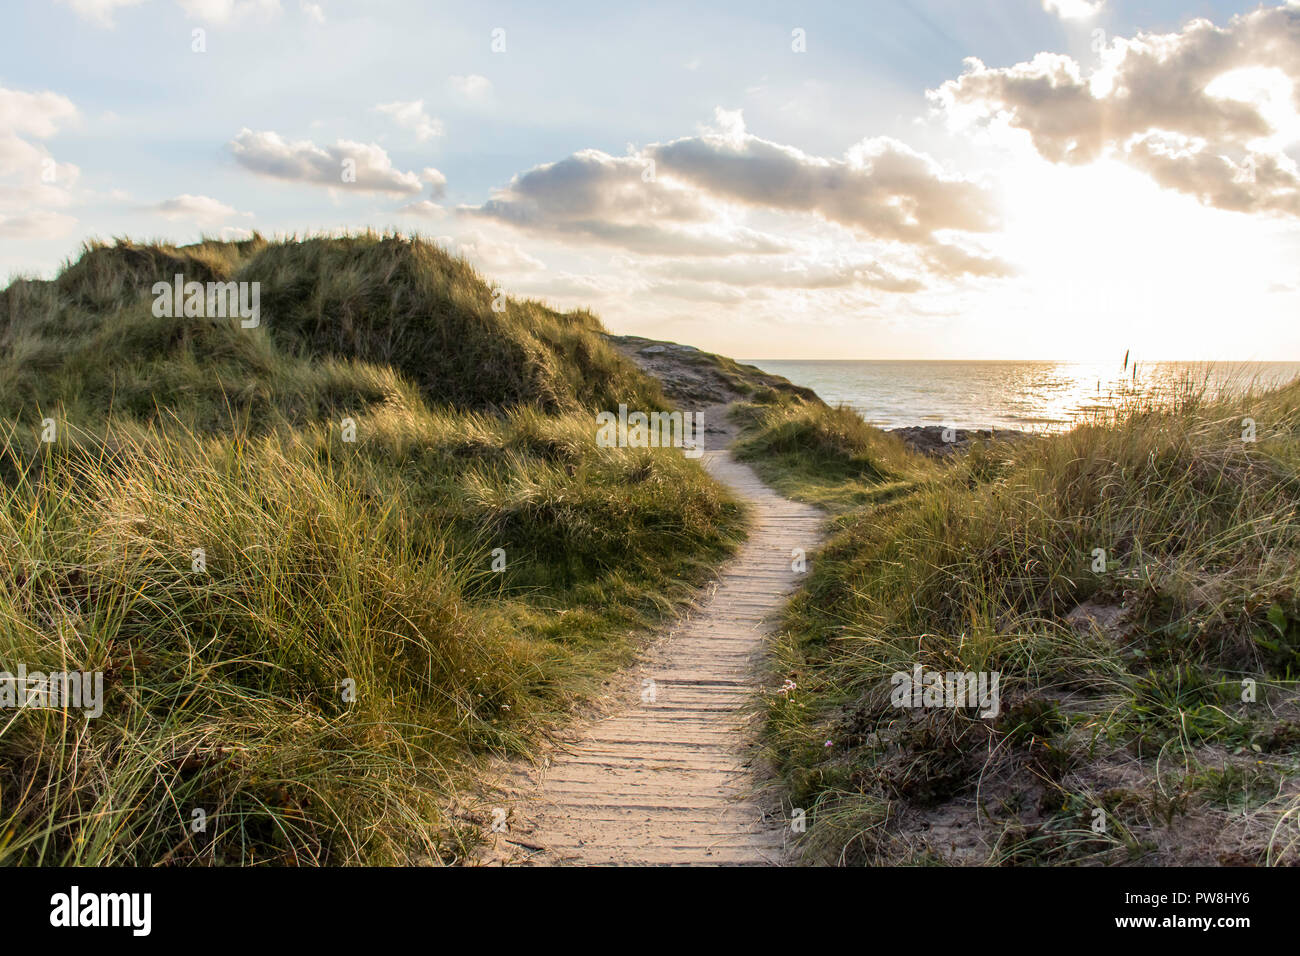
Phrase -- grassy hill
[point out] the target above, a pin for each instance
(328, 564)
(1135, 583)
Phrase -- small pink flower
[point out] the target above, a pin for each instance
(828, 743)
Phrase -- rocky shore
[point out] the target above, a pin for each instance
(939, 441)
(697, 379)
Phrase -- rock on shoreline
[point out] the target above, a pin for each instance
(930, 439)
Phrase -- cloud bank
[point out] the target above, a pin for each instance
(691, 198)
(34, 185)
(1198, 110)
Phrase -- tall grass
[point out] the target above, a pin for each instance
(348, 322)
(824, 455)
(308, 650)
(1124, 578)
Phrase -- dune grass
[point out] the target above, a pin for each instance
(311, 644)
(822, 455)
(1135, 583)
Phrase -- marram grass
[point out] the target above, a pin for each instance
(308, 653)
(1157, 724)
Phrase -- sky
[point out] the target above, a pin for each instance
(941, 179)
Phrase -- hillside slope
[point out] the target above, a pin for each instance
(1134, 587)
(326, 563)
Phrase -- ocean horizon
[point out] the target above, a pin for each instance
(1021, 394)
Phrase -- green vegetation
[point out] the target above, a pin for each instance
(202, 531)
(1125, 731)
(826, 456)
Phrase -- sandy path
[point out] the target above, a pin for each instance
(665, 779)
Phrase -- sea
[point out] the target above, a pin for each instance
(1021, 395)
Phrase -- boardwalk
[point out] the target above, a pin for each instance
(665, 780)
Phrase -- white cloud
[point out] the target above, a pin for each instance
(411, 115)
(713, 292)
(312, 11)
(99, 11)
(31, 177)
(200, 209)
(575, 288)
(882, 187)
(436, 180)
(591, 185)
(688, 206)
(267, 153)
(788, 272)
(230, 11)
(35, 114)
(1161, 103)
(471, 86)
(494, 255)
(32, 182)
(424, 208)
(1074, 9)
(40, 224)
(593, 197)
(952, 260)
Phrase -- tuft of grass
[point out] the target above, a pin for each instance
(410, 306)
(1133, 581)
(826, 456)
